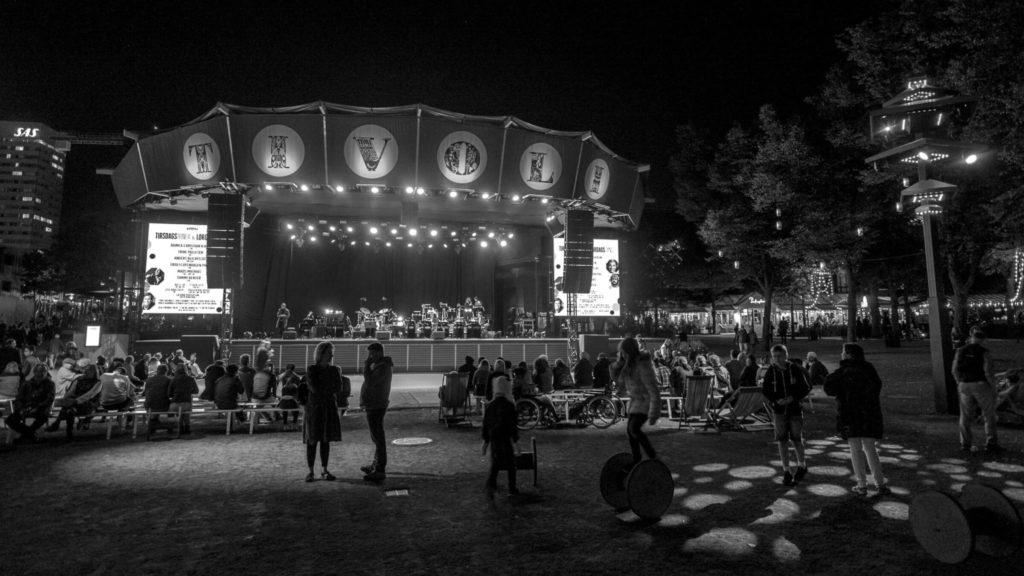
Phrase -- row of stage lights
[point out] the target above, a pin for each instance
(379, 236)
(453, 193)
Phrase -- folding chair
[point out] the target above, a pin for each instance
(695, 406)
(455, 399)
(749, 403)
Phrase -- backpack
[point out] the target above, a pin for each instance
(970, 364)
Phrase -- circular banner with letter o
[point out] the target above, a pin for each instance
(371, 151)
(462, 157)
(540, 166)
(278, 150)
(597, 179)
(201, 155)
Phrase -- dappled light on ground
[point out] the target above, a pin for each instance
(781, 510)
(701, 501)
(753, 472)
(892, 510)
(785, 550)
(725, 541)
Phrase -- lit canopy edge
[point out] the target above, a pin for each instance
(153, 174)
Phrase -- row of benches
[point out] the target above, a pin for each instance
(199, 410)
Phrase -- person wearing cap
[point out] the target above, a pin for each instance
(374, 399)
(976, 386)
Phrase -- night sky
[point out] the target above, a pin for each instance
(630, 72)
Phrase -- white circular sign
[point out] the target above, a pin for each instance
(201, 155)
(461, 157)
(371, 151)
(540, 166)
(597, 179)
(278, 150)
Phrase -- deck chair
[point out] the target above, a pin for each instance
(695, 406)
(455, 398)
(749, 405)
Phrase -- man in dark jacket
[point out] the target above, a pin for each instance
(213, 373)
(157, 397)
(603, 372)
(374, 397)
(976, 386)
(583, 372)
(784, 386)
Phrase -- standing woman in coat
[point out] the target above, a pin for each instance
(635, 372)
(321, 423)
(856, 386)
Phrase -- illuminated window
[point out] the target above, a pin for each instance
(26, 216)
(16, 173)
(19, 148)
(48, 229)
(26, 198)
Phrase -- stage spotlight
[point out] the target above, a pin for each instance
(304, 188)
(348, 229)
(486, 195)
(483, 243)
(408, 189)
(310, 227)
(312, 238)
(333, 228)
(289, 226)
(292, 237)
(503, 243)
(516, 197)
(339, 188)
(430, 245)
(420, 191)
(409, 244)
(490, 234)
(454, 233)
(353, 243)
(511, 235)
(388, 244)
(373, 230)
(413, 231)
(543, 200)
(375, 190)
(433, 233)
(453, 194)
(445, 245)
(367, 243)
(268, 187)
(971, 159)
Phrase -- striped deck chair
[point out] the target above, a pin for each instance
(695, 406)
(749, 405)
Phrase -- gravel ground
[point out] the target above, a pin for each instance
(216, 504)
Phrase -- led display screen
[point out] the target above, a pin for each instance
(176, 272)
(603, 299)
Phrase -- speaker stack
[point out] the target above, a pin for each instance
(579, 252)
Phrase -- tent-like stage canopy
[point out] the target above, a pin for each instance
(402, 164)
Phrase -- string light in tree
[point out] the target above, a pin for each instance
(1018, 274)
(821, 284)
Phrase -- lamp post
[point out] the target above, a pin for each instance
(915, 122)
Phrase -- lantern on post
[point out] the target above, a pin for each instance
(915, 124)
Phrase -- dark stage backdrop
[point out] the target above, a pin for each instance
(317, 276)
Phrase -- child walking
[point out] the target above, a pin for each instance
(784, 386)
(501, 435)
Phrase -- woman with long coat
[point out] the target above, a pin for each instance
(634, 371)
(857, 387)
(321, 423)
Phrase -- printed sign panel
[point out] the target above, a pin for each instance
(603, 299)
(176, 272)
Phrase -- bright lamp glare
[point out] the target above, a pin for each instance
(340, 188)
(289, 226)
(433, 233)
(408, 189)
(375, 190)
(420, 191)
(485, 195)
(971, 159)
(310, 227)
(503, 243)
(394, 231)
(413, 231)
(304, 188)
(348, 229)
(483, 243)
(922, 155)
(268, 187)
(516, 197)
(373, 230)
(453, 194)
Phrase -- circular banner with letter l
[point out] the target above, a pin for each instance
(597, 179)
(278, 150)
(201, 155)
(371, 151)
(540, 166)
(462, 157)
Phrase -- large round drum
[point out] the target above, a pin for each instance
(649, 488)
(941, 527)
(994, 518)
(613, 480)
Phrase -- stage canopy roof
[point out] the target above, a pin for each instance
(405, 162)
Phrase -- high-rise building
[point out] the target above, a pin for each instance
(31, 187)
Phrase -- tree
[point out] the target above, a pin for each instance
(758, 181)
(41, 272)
